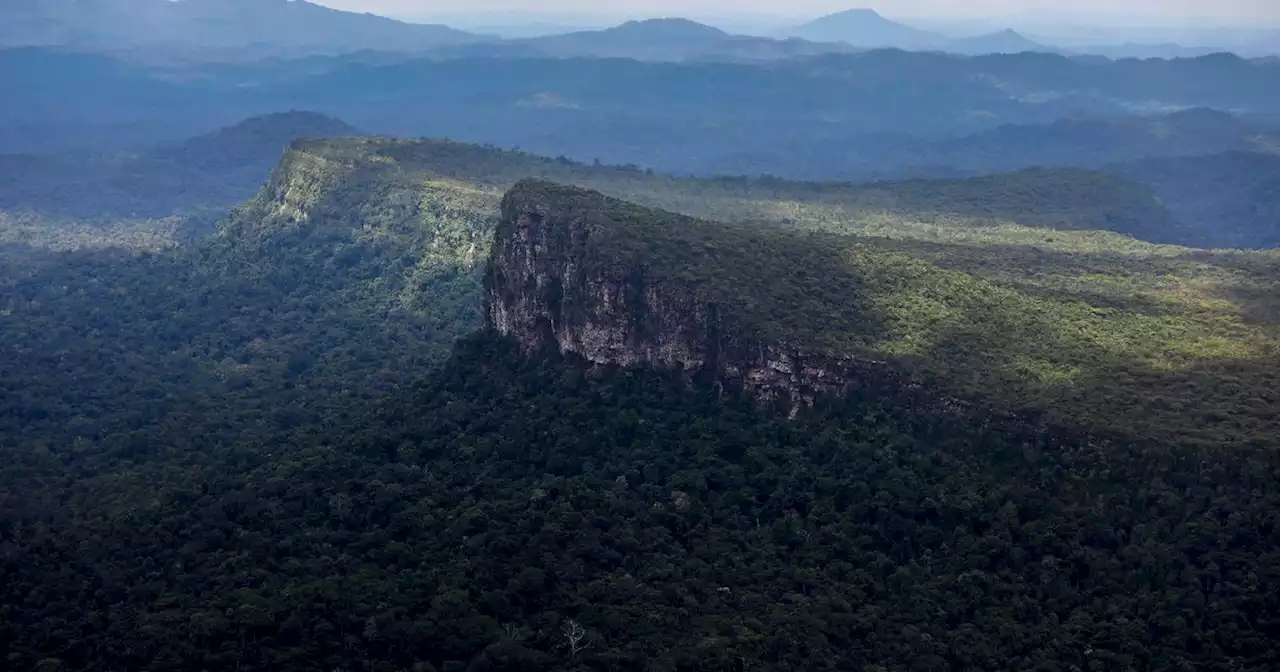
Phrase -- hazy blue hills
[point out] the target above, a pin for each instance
(222, 168)
(866, 28)
(159, 196)
(1002, 42)
(245, 30)
(675, 117)
(1231, 199)
(285, 26)
(1086, 142)
(668, 39)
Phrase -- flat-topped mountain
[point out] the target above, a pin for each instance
(618, 284)
(1004, 289)
(796, 315)
(287, 446)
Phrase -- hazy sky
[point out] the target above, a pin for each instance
(1159, 11)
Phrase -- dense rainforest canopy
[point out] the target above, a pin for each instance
(474, 522)
(849, 346)
(269, 450)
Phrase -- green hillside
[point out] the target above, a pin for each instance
(1000, 288)
(1034, 198)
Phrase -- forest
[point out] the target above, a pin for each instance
(256, 414)
(533, 513)
(266, 451)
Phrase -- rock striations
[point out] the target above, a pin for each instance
(584, 273)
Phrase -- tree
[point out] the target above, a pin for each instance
(575, 636)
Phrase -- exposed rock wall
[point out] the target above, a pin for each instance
(544, 288)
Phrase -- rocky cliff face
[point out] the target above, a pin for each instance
(550, 283)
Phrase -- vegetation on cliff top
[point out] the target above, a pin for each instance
(1001, 288)
(1102, 340)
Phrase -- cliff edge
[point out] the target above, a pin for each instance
(617, 283)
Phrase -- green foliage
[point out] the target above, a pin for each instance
(462, 525)
(998, 289)
(1108, 341)
(225, 455)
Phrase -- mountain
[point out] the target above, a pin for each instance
(344, 204)
(800, 118)
(190, 26)
(670, 30)
(1073, 141)
(672, 40)
(287, 446)
(1142, 50)
(1003, 42)
(616, 284)
(186, 184)
(1093, 141)
(153, 198)
(653, 39)
(865, 28)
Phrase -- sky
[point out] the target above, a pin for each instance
(1164, 12)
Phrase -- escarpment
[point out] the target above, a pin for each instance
(617, 283)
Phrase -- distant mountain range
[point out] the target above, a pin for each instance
(669, 39)
(201, 177)
(1003, 42)
(1081, 142)
(866, 28)
(247, 30)
(834, 116)
(285, 25)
